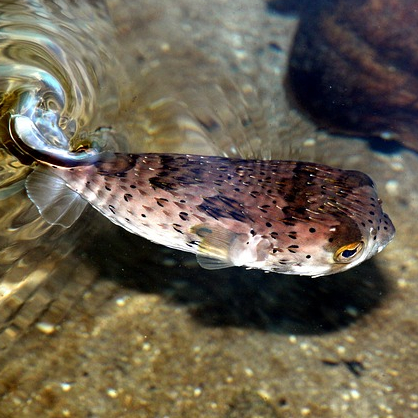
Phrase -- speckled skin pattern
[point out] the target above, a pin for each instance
(281, 216)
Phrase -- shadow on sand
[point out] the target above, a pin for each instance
(235, 296)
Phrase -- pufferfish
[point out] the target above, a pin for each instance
(287, 217)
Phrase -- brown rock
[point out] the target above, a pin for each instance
(354, 68)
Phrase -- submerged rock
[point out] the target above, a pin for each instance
(354, 64)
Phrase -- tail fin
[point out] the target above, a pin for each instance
(56, 202)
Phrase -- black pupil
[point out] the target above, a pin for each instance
(348, 253)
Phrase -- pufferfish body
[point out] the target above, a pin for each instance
(288, 217)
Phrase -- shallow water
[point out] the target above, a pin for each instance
(97, 322)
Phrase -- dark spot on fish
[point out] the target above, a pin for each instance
(268, 225)
(177, 227)
(161, 201)
(223, 207)
(132, 186)
(127, 197)
(342, 194)
(252, 232)
(112, 209)
(238, 216)
(214, 212)
(143, 215)
(168, 161)
(312, 230)
(186, 181)
(196, 171)
(182, 201)
(127, 220)
(330, 239)
(300, 210)
(184, 216)
(157, 183)
(308, 256)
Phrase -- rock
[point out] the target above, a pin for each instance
(354, 67)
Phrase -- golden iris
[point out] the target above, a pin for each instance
(347, 253)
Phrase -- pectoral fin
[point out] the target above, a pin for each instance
(210, 263)
(214, 246)
(56, 202)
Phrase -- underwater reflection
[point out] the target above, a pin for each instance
(54, 59)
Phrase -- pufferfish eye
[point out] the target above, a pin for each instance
(347, 253)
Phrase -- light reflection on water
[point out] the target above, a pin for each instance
(53, 71)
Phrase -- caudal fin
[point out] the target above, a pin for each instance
(56, 202)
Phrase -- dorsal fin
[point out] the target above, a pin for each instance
(56, 202)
